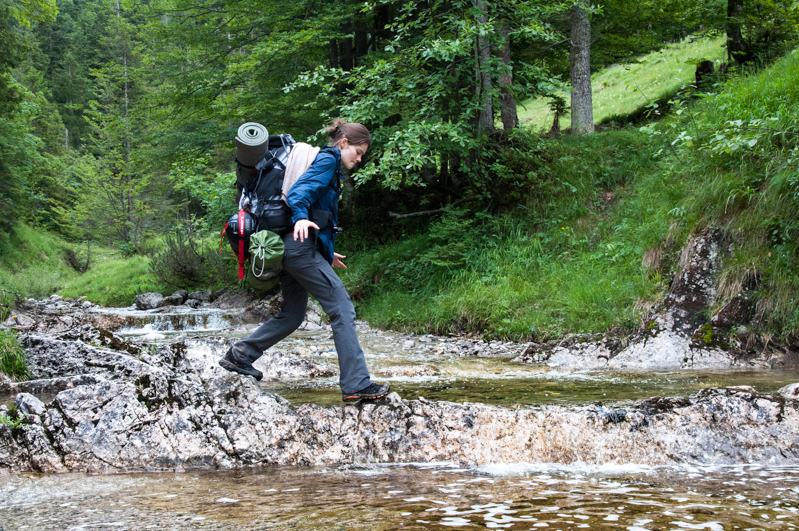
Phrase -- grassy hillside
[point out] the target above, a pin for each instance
(625, 88)
(597, 239)
(35, 263)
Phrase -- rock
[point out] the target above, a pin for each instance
(176, 299)
(49, 386)
(148, 301)
(29, 405)
(790, 391)
(409, 370)
(86, 305)
(227, 421)
(53, 358)
(407, 345)
(202, 296)
(234, 299)
(5, 383)
(193, 303)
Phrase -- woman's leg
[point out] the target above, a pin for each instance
(292, 313)
(312, 271)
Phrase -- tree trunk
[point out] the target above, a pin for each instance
(507, 104)
(485, 120)
(382, 19)
(361, 44)
(580, 63)
(345, 47)
(332, 51)
(736, 47)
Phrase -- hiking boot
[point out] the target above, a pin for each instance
(230, 363)
(373, 392)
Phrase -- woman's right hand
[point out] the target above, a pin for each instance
(301, 229)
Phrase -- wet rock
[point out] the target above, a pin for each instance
(583, 351)
(98, 337)
(176, 299)
(193, 303)
(5, 383)
(790, 391)
(202, 296)
(148, 301)
(29, 405)
(49, 386)
(53, 358)
(226, 421)
(228, 299)
(201, 356)
(409, 370)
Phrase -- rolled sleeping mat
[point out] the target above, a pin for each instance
(252, 144)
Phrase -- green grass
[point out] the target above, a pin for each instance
(624, 89)
(113, 281)
(12, 357)
(569, 260)
(35, 263)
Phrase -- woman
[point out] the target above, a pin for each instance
(308, 262)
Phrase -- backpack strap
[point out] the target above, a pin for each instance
(241, 244)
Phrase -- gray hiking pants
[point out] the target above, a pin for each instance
(306, 271)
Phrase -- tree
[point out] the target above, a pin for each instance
(580, 61)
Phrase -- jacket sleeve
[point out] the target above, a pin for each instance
(308, 188)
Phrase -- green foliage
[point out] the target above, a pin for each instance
(27, 10)
(14, 423)
(12, 357)
(738, 155)
(568, 260)
(189, 261)
(419, 96)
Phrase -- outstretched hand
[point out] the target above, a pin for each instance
(337, 260)
(301, 229)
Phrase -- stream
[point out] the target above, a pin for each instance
(419, 496)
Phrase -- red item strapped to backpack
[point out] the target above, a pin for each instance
(239, 227)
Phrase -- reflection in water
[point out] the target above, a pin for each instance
(433, 496)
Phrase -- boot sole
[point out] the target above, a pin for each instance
(355, 398)
(228, 366)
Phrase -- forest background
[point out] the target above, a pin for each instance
(117, 160)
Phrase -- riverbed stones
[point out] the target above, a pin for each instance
(202, 296)
(148, 301)
(408, 370)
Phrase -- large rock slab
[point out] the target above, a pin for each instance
(229, 422)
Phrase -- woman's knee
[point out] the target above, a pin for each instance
(291, 320)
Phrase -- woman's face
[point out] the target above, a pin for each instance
(351, 153)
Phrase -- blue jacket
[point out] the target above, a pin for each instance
(319, 188)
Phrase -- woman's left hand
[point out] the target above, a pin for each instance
(337, 260)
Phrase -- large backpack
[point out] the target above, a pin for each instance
(261, 186)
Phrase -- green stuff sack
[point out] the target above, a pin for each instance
(266, 255)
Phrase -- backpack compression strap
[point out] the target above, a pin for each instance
(241, 244)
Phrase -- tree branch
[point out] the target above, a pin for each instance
(431, 212)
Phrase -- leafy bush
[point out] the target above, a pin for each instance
(188, 262)
(12, 357)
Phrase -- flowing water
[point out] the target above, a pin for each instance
(436, 372)
(429, 496)
(422, 496)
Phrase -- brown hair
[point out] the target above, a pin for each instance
(354, 133)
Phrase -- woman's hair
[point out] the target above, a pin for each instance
(354, 133)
